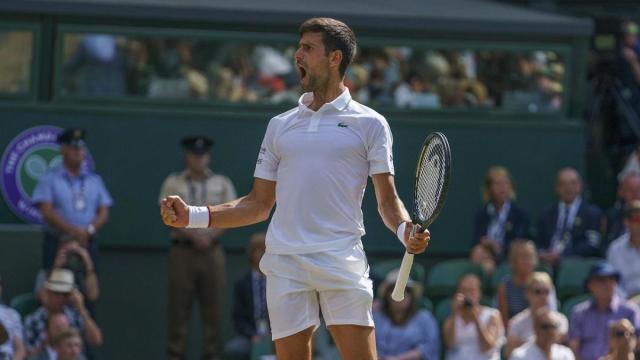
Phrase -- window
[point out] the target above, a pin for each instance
(237, 69)
(16, 61)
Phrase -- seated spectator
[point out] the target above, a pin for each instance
(500, 219)
(570, 227)
(66, 345)
(250, 316)
(624, 252)
(485, 256)
(76, 258)
(628, 190)
(403, 330)
(588, 328)
(60, 297)
(96, 67)
(545, 345)
(56, 324)
(511, 291)
(540, 294)
(472, 331)
(622, 341)
(12, 347)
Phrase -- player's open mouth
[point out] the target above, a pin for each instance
(302, 72)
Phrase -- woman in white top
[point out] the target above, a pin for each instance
(472, 331)
(540, 293)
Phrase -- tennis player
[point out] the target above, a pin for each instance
(313, 162)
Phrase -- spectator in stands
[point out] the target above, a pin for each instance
(96, 68)
(540, 294)
(500, 219)
(572, 226)
(13, 346)
(60, 297)
(546, 343)
(624, 252)
(56, 324)
(622, 341)
(196, 257)
(472, 331)
(511, 291)
(628, 190)
(74, 257)
(250, 316)
(588, 328)
(630, 52)
(484, 255)
(403, 330)
(73, 200)
(66, 345)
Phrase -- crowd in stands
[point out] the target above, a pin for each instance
(400, 77)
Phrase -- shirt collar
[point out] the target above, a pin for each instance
(339, 103)
(613, 306)
(53, 355)
(573, 206)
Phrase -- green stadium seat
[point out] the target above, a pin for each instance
(426, 304)
(504, 269)
(262, 348)
(25, 304)
(571, 276)
(443, 278)
(382, 268)
(567, 305)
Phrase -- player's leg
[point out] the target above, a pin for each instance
(293, 306)
(354, 341)
(296, 346)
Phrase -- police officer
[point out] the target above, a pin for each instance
(73, 200)
(196, 259)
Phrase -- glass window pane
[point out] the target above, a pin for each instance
(16, 58)
(231, 71)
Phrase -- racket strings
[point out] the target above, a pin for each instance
(430, 181)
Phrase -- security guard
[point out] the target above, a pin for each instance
(73, 200)
(196, 259)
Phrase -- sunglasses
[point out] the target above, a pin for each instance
(548, 326)
(623, 333)
(540, 291)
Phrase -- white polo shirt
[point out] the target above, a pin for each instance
(320, 161)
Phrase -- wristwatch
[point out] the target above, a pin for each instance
(91, 230)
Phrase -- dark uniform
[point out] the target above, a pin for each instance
(195, 270)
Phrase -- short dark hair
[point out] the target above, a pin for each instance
(336, 35)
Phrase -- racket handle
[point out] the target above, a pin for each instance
(403, 277)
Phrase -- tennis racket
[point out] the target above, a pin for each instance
(432, 182)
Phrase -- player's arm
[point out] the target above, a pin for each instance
(249, 209)
(394, 213)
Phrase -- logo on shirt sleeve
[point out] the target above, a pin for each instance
(343, 124)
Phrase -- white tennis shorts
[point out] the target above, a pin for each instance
(298, 286)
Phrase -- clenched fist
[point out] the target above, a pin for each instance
(174, 212)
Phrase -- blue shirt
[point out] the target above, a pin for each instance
(591, 326)
(420, 332)
(76, 199)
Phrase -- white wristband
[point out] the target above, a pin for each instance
(400, 232)
(198, 217)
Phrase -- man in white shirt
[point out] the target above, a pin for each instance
(624, 252)
(314, 162)
(545, 345)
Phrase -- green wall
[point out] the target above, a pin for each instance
(135, 151)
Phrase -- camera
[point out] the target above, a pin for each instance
(74, 262)
(467, 302)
